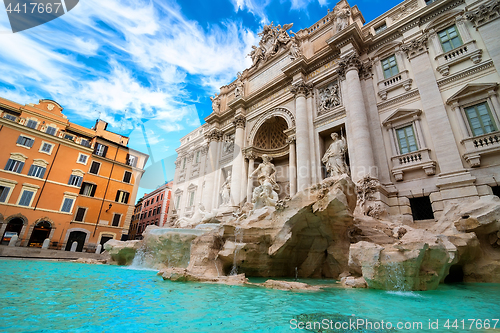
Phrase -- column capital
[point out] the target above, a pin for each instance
(204, 150)
(301, 88)
(250, 156)
(214, 135)
(484, 13)
(190, 157)
(416, 46)
(239, 121)
(291, 140)
(347, 63)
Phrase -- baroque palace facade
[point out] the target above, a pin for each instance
(412, 96)
(64, 182)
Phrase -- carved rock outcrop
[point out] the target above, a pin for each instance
(122, 253)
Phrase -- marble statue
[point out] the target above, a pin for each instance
(266, 171)
(273, 40)
(226, 191)
(334, 158)
(264, 195)
(294, 49)
(215, 103)
(238, 91)
(343, 15)
(329, 98)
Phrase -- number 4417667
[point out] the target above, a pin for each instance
(35, 7)
(471, 324)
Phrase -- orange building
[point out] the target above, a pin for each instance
(62, 181)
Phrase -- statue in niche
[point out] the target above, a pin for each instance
(238, 91)
(215, 103)
(329, 98)
(225, 191)
(294, 49)
(342, 15)
(266, 171)
(334, 158)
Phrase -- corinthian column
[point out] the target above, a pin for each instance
(211, 162)
(292, 167)
(356, 119)
(238, 163)
(300, 89)
(251, 167)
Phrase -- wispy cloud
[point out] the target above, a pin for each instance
(258, 7)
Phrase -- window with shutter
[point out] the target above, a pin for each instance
(116, 220)
(4, 191)
(26, 198)
(67, 204)
(25, 141)
(122, 197)
(14, 165)
(37, 171)
(100, 150)
(31, 124)
(127, 176)
(80, 214)
(88, 189)
(94, 168)
(51, 130)
(75, 180)
(10, 117)
(46, 147)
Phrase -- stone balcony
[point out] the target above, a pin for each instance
(420, 159)
(480, 145)
(467, 51)
(402, 79)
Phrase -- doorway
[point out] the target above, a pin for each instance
(76, 236)
(104, 239)
(14, 225)
(41, 231)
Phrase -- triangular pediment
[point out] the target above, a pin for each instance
(401, 114)
(472, 89)
(178, 191)
(192, 187)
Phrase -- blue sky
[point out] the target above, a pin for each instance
(146, 67)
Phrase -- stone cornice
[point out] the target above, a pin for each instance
(465, 73)
(351, 34)
(399, 99)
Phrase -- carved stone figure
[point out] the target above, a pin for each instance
(215, 103)
(266, 171)
(294, 49)
(342, 15)
(264, 195)
(239, 90)
(274, 39)
(226, 191)
(329, 98)
(228, 146)
(366, 189)
(334, 158)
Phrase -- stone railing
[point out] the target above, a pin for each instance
(466, 51)
(420, 159)
(480, 145)
(402, 79)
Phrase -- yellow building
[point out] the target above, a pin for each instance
(62, 181)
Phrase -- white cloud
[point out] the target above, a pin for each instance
(87, 47)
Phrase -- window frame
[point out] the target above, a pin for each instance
(73, 201)
(119, 220)
(9, 184)
(93, 188)
(122, 197)
(39, 167)
(18, 167)
(449, 39)
(51, 127)
(403, 128)
(84, 214)
(390, 68)
(31, 120)
(100, 152)
(98, 168)
(490, 114)
(129, 178)
(380, 28)
(46, 152)
(27, 189)
(28, 146)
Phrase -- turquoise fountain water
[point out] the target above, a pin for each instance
(60, 297)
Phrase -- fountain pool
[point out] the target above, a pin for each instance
(41, 296)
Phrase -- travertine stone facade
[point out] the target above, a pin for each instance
(414, 93)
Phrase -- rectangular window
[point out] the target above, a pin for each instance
(67, 204)
(154, 212)
(75, 180)
(51, 130)
(4, 192)
(24, 141)
(450, 38)
(127, 176)
(191, 199)
(88, 189)
(122, 196)
(177, 201)
(380, 28)
(158, 210)
(46, 147)
(100, 150)
(480, 119)
(390, 67)
(14, 165)
(26, 198)
(421, 208)
(184, 163)
(406, 140)
(82, 159)
(149, 213)
(94, 168)
(85, 143)
(198, 156)
(10, 117)
(116, 220)
(131, 160)
(428, 2)
(69, 136)
(31, 124)
(80, 214)
(37, 171)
